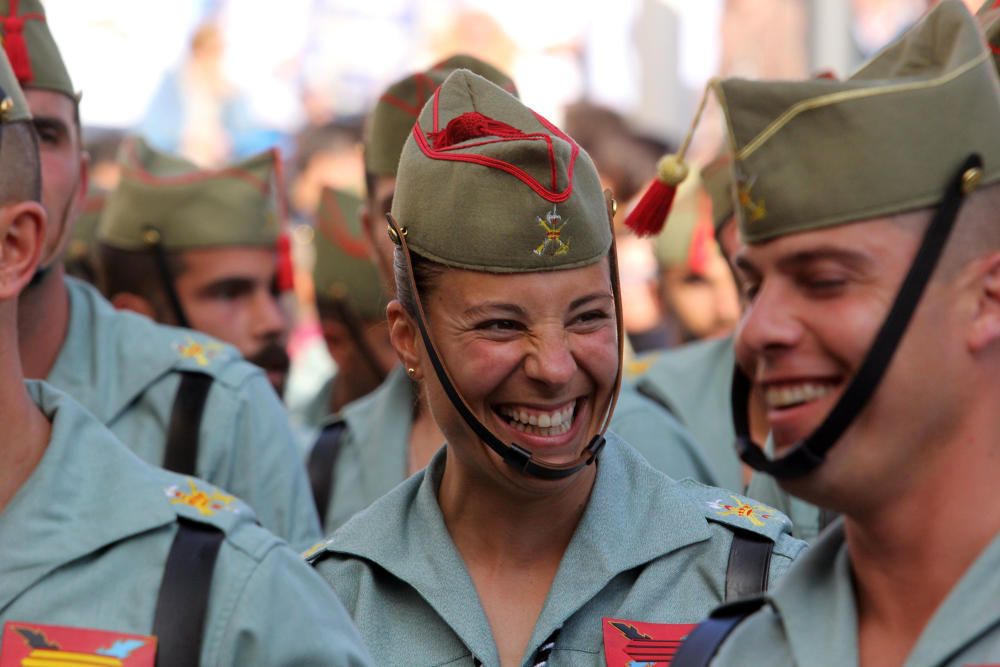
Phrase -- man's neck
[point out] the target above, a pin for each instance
(911, 551)
(26, 429)
(43, 319)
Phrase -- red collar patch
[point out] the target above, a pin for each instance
(635, 644)
(34, 644)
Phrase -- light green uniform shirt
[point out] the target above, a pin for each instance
(124, 368)
(83, 544)
(808, 520)
(811, 619)
(373, 455)
(647, 549)
(694, 382)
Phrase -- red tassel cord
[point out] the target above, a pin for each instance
(473, 125)
(286, 271)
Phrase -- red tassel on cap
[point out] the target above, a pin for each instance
(472, 125)
(16, 47)
(286, 271)
(650, 214)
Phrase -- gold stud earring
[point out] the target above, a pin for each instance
(412, 372)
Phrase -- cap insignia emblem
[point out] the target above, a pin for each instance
(553, 245)
(754, 210)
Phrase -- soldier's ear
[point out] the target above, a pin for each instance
(985, 329)
(22, 239)
(134, 303)
(404, 336)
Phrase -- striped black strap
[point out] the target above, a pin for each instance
(321, 466)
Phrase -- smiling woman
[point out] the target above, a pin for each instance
(535, 535)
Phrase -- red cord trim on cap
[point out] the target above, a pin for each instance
(136, 170)
(14, 43)
(400, 104)
(333, 224)
(425, 87)
(550, 194)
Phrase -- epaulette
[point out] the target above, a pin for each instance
(199, 501)
(196, 352)
(731, 509)
(316, 552)
(640, 366)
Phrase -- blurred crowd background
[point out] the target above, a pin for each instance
(216, 80)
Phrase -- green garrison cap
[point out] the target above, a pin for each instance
(487, 184)
(186, 207)
(32, 51)
(343, 269)
(686, 239)
(818, 153)
(13, 106)
(395, 112)
(717, 179)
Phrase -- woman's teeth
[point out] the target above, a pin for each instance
(794, 394)
(536, 422)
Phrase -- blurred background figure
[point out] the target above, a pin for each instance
(695, 285)
(197, 112)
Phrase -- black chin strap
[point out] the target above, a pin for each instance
(513, 454)
(811, 452)
(154, 240)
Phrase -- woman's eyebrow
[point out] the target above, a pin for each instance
(584, 300)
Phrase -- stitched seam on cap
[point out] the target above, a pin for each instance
(847, 96)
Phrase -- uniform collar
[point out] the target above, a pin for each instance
(381, 423)
(820, 586)
(87, 492)
(622, 528)
(101, 349)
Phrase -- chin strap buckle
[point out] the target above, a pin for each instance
(595, 447)
(517, 457)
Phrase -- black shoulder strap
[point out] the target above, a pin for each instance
(749, 564)
(181, 449)
(703, 643)
(322, 461)
(181, 607)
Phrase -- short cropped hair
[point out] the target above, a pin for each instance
(20, 165)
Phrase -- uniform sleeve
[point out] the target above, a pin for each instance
(287, 616)
(266, 470)
(662, 441)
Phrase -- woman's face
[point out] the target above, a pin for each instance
(535, 355)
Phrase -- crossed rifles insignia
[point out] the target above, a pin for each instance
(553, 244)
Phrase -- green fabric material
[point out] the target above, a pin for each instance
(989, 20)
(84, 541)
(647, 548)
(10, 90)
(474, 216)
(818, 153)
(812, 618)
(397, 109)
(693, 382)
(48, 71)
(374, 449)
(191, 207)
(344, 270)
(672, 246)
(124, 368)
(717, 179)
(806, 517)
